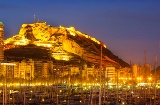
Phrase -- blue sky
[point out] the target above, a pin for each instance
(127, 27)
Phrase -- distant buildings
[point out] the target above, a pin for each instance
(141, 73)
(29, 69)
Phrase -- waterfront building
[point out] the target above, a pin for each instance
(26, 69)
(1, 41)
(16, 70)
(90, 71)
(74, 70)
(47, 67)
(147, 71)
(135, 70)
(7, 69)
(84, 67)
(110, 73)
(125, 72)
(141, 73)
(45, 70)
(124, 75)
(38, 66)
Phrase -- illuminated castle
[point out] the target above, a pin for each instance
(59, 43)
(1, 41)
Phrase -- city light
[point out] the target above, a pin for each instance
(62, 78)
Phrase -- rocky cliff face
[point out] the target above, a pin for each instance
(63, 43)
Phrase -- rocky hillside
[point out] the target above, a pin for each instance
(39, 40)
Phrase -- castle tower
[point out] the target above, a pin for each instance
(1, 41)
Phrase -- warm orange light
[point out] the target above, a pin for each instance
(149, 78)
(139, 78)
(43, 35)
(71, 31)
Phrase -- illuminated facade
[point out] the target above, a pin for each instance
(1, 41)
(147, 71)
(136, 71)
(38, 66)
(141, 72)
(16, 70)
(88, 71)
(110, 73)
(7, 69)
(74, 70)
(26, 69)
(47, 66)
(45, 70)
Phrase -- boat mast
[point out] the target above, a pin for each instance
(155, 80)
(100, 73)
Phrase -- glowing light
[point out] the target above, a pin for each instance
(43, 35)
(11, 64)
(149, 78)
(44, 44)
(1, 29)
(71, 31)
(61, 56)
(139, 78)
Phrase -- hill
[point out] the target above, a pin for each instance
(42, 41)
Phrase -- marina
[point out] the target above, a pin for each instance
(86, 52)
(62, 94)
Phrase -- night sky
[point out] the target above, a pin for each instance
(127, 27)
